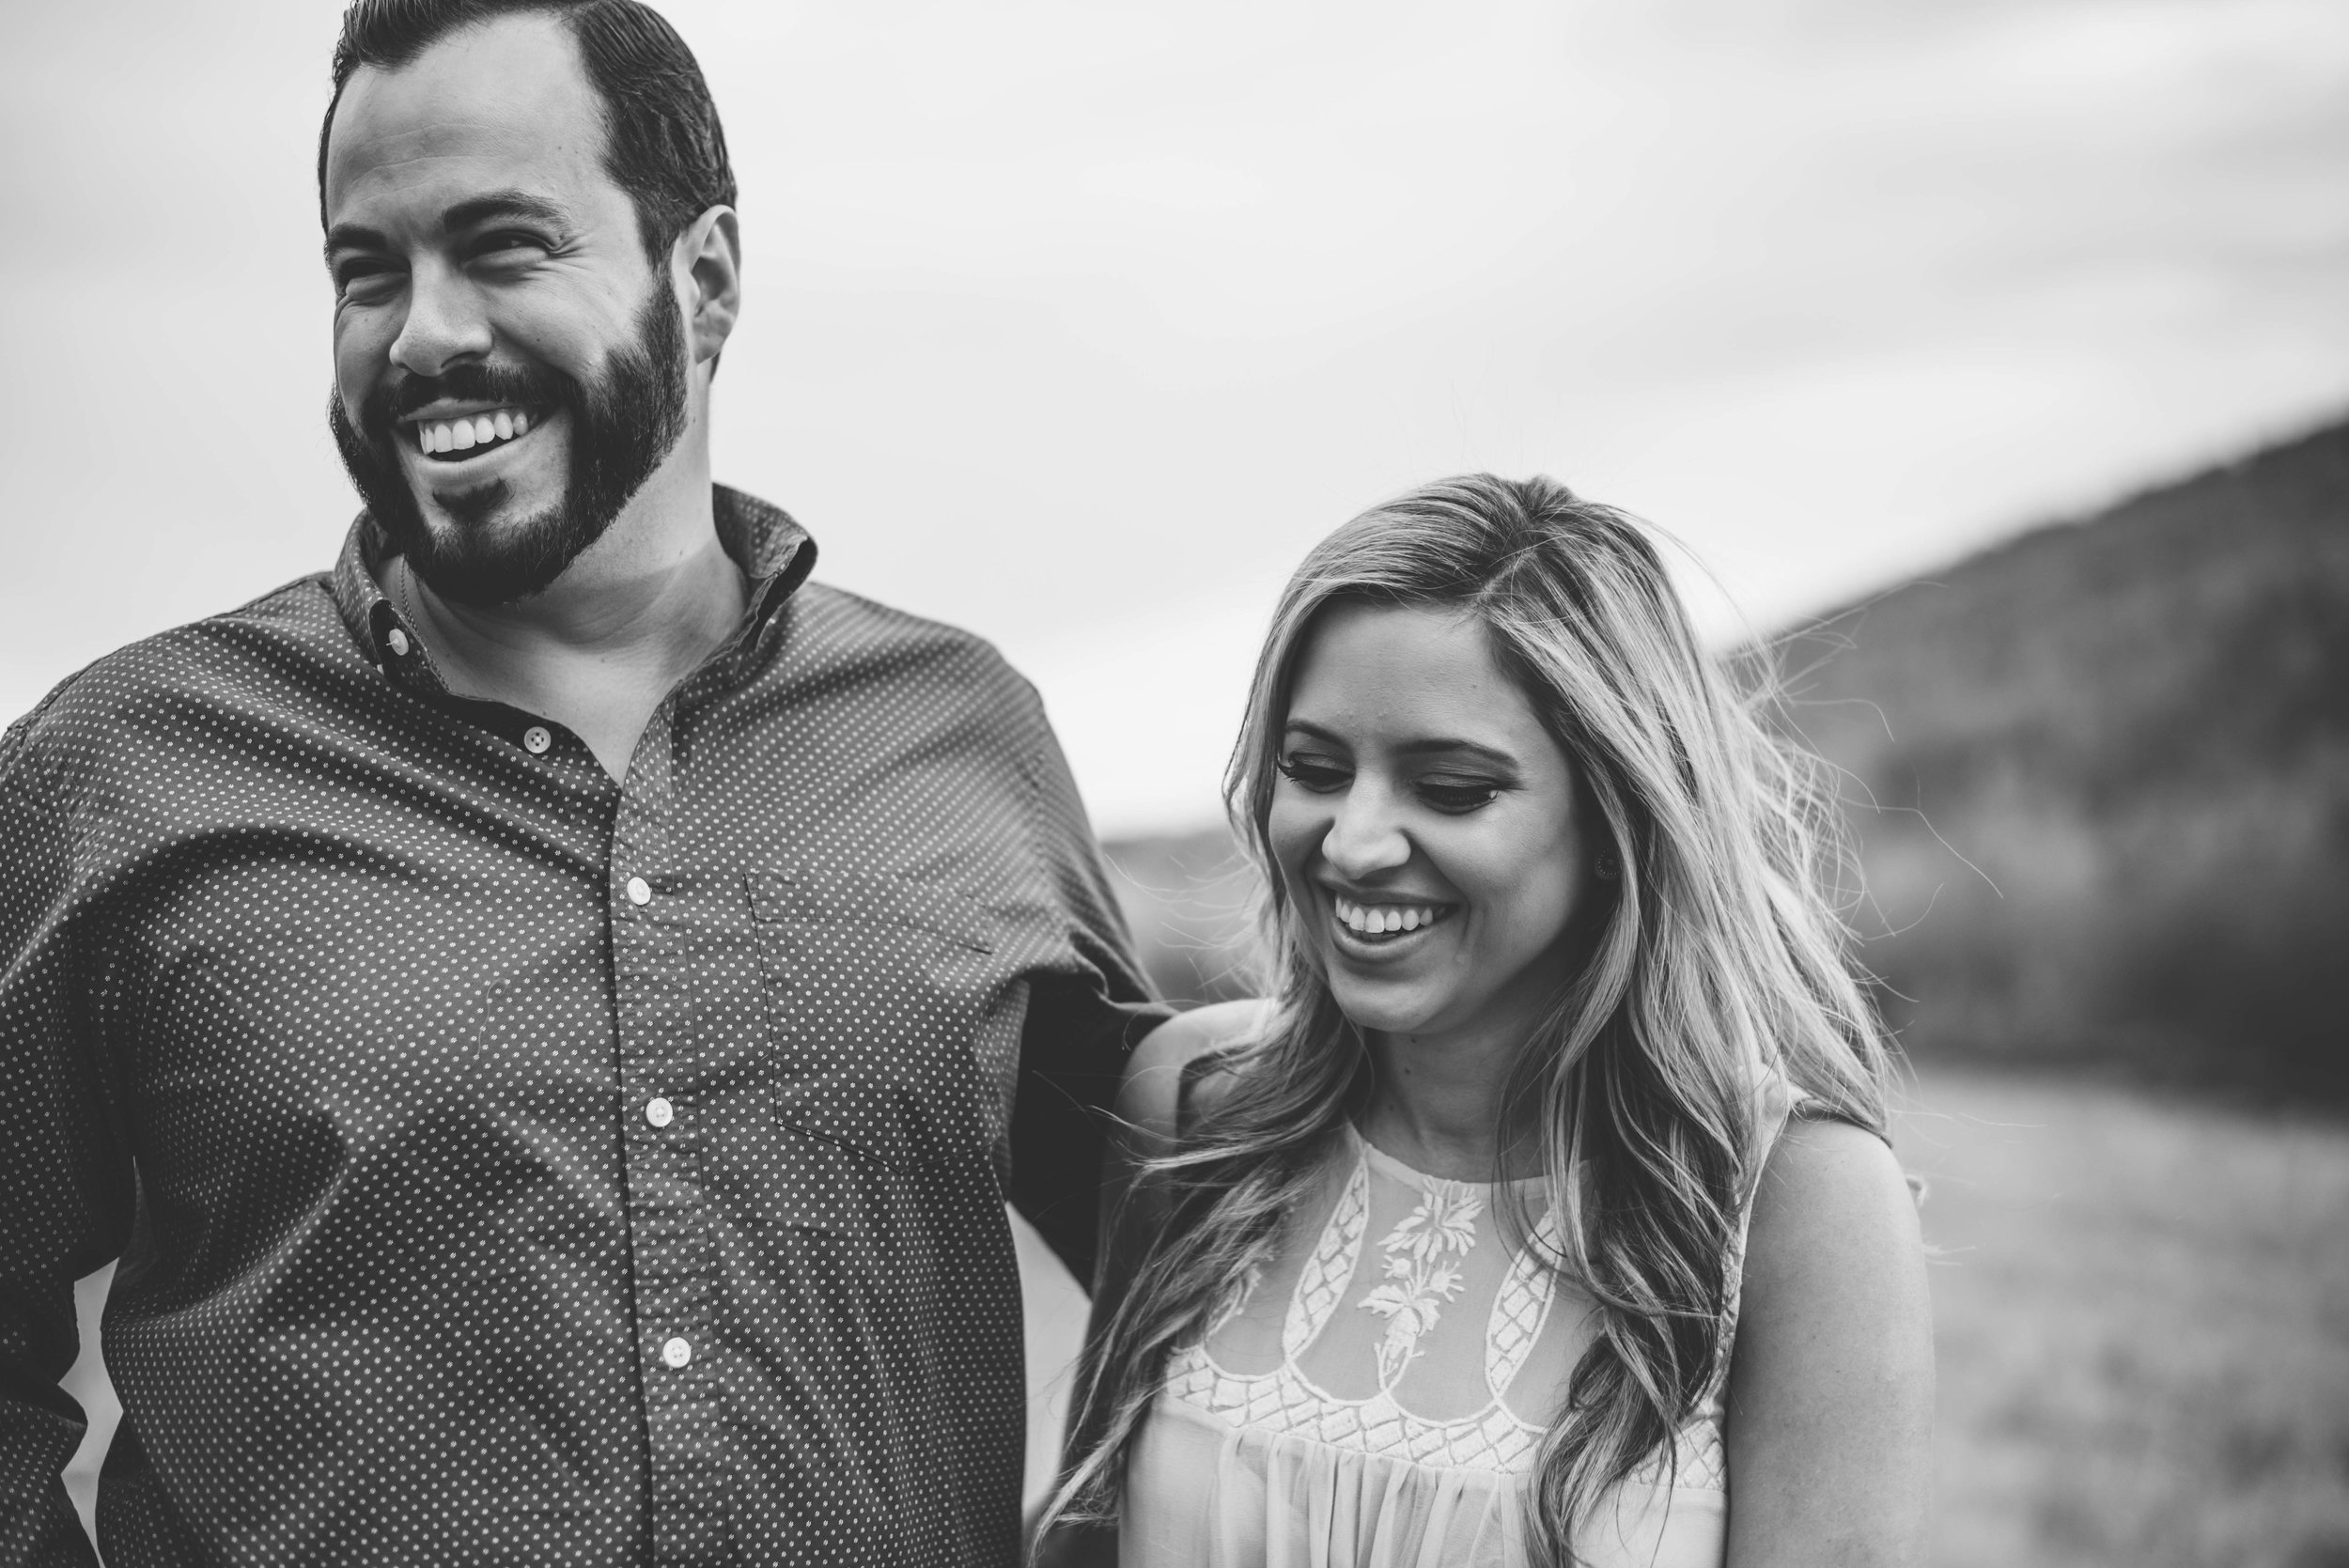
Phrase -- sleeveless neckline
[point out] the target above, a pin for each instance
(1235, 1468)
(1286, 1398)
(1387, 1164)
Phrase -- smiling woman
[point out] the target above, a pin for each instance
(1428, 824)
(1561, 1139)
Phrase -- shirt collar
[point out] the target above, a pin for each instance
(774, 553)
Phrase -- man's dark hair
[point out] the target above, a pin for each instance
(663, 143)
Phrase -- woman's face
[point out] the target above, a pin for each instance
(1428, 830)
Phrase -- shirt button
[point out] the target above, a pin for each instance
(639, 890)
(399, 640)
(660, 1113)
(676, 1353)
(535, 739)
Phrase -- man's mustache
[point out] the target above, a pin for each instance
(470, 383)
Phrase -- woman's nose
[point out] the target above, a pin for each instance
(1366, 835)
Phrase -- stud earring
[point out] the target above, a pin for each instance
(1608, 868)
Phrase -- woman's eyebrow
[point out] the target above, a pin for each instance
(1426, 746)
(1434, 744)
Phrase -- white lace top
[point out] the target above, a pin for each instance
(1376, 1395)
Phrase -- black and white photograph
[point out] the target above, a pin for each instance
(1514, 785)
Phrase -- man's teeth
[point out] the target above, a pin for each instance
(480, 429)
(1371, 919)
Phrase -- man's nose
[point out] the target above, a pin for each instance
(1366, 834)
(444, 323)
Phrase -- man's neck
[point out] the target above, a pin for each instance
(601, 648)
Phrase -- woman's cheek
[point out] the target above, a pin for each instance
(1293, 836)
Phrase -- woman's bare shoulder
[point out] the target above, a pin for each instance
(1831, 1381)
(1151, 1098)
(1831, 1194)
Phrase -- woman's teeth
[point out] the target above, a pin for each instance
(463, 435)
(1378, 920)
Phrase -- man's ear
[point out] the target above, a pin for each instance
(709, 255)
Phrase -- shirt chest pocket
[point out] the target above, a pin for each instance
(875, 987)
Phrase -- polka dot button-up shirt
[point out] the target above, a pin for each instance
(507, 1164)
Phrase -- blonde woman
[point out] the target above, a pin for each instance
(1544, 1212)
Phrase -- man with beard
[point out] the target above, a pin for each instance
(547, 1014)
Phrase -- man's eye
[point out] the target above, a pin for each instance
(1457, 797)
(1318, 774)
(361, 278)
(505, 242)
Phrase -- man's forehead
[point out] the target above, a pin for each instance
(508, 95)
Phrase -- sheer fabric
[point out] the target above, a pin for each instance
(1377, 1396)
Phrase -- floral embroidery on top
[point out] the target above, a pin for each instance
(1236, 1295)
(1423, 1252)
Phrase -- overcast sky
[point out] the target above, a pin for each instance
(1076, 323)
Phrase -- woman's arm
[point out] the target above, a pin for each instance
(1831, 1389)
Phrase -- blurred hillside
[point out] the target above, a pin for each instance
(2136, 729)
(2100, 776)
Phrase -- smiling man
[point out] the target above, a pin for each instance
(549, 1013)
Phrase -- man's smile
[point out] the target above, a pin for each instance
(457, 436)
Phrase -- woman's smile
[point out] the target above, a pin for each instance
(1383, 928)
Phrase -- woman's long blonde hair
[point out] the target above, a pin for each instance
(1721, 955)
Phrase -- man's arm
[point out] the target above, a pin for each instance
(65, 1186)
(1082, 1019)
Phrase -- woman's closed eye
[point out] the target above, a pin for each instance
(1458, 796)
(1322, 775)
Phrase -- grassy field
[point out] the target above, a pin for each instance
(2142, 1310)
(2142, 1317)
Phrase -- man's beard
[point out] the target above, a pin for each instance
(622, 426)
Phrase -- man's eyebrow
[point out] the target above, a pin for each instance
(465, 214)
(354, 236)
(501, 204)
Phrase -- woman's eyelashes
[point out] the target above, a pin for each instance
(1453, 794)
(1322, 775)
(1456, 797)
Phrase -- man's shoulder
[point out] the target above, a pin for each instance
(895, 644)
(850, 615)
(190, 666)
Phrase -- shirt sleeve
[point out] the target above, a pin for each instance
(1084, 1018)
(67, 1189)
